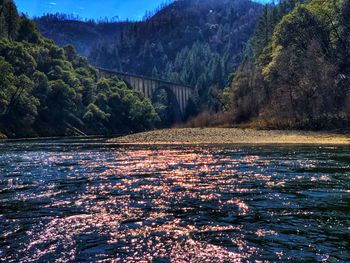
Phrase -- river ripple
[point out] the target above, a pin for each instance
(65, 201)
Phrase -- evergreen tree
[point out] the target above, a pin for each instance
(50, 91)
(27, 31)
(12, 18)
(300, 80)
(3, 24)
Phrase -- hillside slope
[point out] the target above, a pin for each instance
(199, 43)
(298, 76)
(64, 29)
(50, 91)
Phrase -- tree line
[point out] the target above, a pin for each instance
(50, 91)
(297, 68)
(198, 43)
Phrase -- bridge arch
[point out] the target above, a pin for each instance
(148, 86)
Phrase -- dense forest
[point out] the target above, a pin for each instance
(194, 42)
(50, 91)
(297, 68)
(284, 66)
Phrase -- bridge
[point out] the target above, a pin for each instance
(148, 86)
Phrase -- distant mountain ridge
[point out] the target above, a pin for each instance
(83, 35)
(199, 43)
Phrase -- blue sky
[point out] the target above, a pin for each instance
(124, 9)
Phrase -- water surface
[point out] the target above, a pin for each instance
(86, 200)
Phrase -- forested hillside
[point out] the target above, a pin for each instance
(294, 72)
(196, 42)
(297, 69)
(50, 91)
(83, 35)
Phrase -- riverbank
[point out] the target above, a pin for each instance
(233, 136)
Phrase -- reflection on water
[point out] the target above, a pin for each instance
(90, 201)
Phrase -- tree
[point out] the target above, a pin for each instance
(300, 80)
(3, 26)
(343, 33)
(6, 84)
(50, 91)
(27, 31)
(61, 104)
(12, 18)
(95, 119)
(262, 33)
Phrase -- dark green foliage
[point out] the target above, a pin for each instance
(11, 18)
(27, 31)
(299, 78)
(195, 42)
(167, 107)
(51, 91)
(3, 25)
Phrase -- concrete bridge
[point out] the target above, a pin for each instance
(148, 86)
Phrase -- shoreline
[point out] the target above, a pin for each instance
(222, 136)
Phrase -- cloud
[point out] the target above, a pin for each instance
(52, 3)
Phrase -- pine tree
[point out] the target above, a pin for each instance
(262, 32)
(3, 26)
(12, 19)
(27, 31)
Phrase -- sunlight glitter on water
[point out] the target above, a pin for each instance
(190, 204)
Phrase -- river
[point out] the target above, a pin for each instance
(88, 200)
